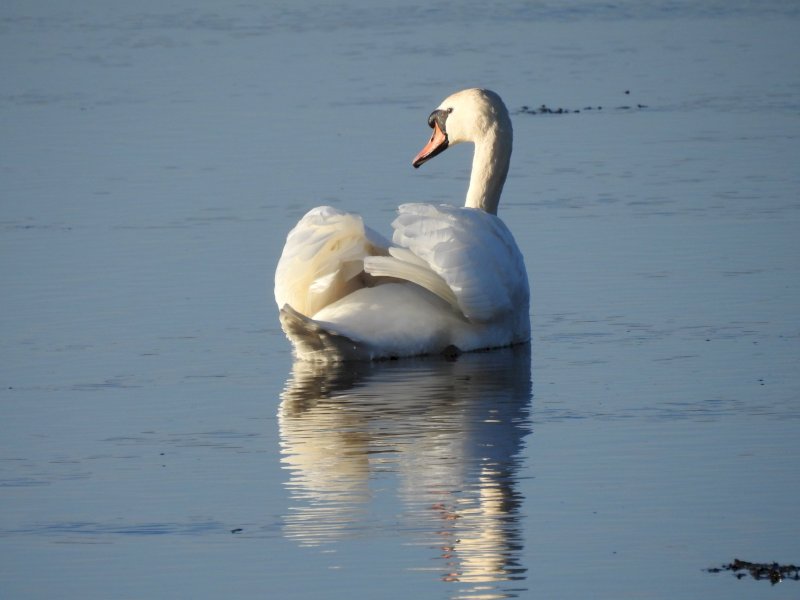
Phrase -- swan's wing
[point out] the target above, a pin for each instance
(323, 259)
(472, 252)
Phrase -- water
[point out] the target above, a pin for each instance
(157, 440)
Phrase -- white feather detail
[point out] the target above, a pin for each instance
(322, 258)
(408, 256)
(415, 272)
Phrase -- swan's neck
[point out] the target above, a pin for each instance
(489, 170)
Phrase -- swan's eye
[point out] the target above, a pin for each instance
(439, 117)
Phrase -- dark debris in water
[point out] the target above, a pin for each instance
(548, 110)
(772, 572)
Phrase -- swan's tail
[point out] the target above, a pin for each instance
(312, 341)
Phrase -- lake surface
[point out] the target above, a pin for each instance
(156, 439)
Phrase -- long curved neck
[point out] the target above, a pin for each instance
(489, 169)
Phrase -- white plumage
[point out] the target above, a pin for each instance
(452, 280)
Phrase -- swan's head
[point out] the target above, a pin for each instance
(467, 116)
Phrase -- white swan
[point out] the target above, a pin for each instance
(452, 281)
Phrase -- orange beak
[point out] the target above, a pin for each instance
(436, 145)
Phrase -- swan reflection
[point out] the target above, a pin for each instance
(434, 445)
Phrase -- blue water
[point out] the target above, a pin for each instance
(156, 439)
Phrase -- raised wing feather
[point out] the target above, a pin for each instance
(472, 251)
(322, 259)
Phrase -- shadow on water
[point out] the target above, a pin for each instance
(444, 437)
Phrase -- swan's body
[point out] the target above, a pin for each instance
(453, 280)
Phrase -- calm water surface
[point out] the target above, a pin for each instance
(156, 439)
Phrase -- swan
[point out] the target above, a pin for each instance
(452, 279)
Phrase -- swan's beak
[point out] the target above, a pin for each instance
(436, 145)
